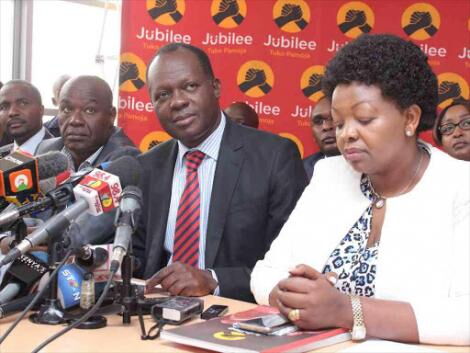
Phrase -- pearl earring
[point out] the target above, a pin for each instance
(409, 133)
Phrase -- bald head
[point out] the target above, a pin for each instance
(86, 115)
(243, 114)
(89, 85)
(57, 86)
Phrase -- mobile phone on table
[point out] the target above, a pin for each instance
(264, 324)
(214, 311)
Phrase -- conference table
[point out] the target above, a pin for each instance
(117, 337)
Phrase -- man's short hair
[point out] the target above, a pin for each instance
(201, 56)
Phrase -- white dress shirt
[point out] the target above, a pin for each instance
(31, 145)
(210, 147)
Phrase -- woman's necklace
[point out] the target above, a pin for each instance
(379, 200)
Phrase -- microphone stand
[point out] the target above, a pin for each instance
(128, 291)
(51, 312)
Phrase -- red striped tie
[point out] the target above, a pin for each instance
(186, 242)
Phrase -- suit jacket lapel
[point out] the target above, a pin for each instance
(160, 183)
(228, 169)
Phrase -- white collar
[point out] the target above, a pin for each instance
(32, 143)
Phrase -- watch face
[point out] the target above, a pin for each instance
(358, 333)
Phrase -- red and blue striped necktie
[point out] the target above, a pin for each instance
(186, 242)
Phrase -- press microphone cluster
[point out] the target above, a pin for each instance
(21, 175)
(98, 192)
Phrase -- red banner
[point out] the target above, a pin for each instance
(271, 54)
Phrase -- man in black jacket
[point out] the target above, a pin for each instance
(217, 194)
(21, 112)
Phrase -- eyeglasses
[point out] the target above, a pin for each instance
(449, 128)
(319, 120)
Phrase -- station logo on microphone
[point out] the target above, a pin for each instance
(21, 180)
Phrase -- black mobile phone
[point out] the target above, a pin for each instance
(214, 311)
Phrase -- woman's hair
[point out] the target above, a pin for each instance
(436, 134)
(398, 67)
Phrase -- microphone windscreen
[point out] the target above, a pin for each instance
(127, 168)
(51, 164)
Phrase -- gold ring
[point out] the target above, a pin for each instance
(294, 315)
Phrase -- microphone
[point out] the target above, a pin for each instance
(20, 173)
(98, 192)
(127, 219)
(17, 305)
(99, 230)
(57, 197)
(10, 291)
(91, 257)
(23, 274)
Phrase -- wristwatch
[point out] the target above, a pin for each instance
(358, 332)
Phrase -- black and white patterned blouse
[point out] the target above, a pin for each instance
(353, 262)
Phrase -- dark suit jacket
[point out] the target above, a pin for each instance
(310, 161)
(258, 180)
(87, 228)
(7, 149)
(118, 145)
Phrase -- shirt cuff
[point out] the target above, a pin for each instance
(214, 276)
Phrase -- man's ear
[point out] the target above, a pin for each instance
(54, 101)
(112, 115)
(217, 87)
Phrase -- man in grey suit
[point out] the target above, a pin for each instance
(217, 194)
(21, 112)
(89, 138)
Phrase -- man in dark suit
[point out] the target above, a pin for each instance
(217, 194)
(86, 121)
(324, 134)
(89, 138)
(21, 112)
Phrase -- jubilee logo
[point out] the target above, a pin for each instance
(355, 18)
(131, 73)
(153, 139)
(166, 12)
(228, 13)
(452, 88)
(310, 82)
(255, 78)
(291, 15)
(421, 21)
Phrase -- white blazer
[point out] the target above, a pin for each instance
(424, 252)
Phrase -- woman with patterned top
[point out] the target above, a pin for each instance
(379, 241)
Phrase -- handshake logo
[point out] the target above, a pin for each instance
(255, 78)
(310, 82)
(420, 21)
(166, 12)
(291, 15)
(452, 89)
(131, 73)
(355, 18)
(228, 13)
